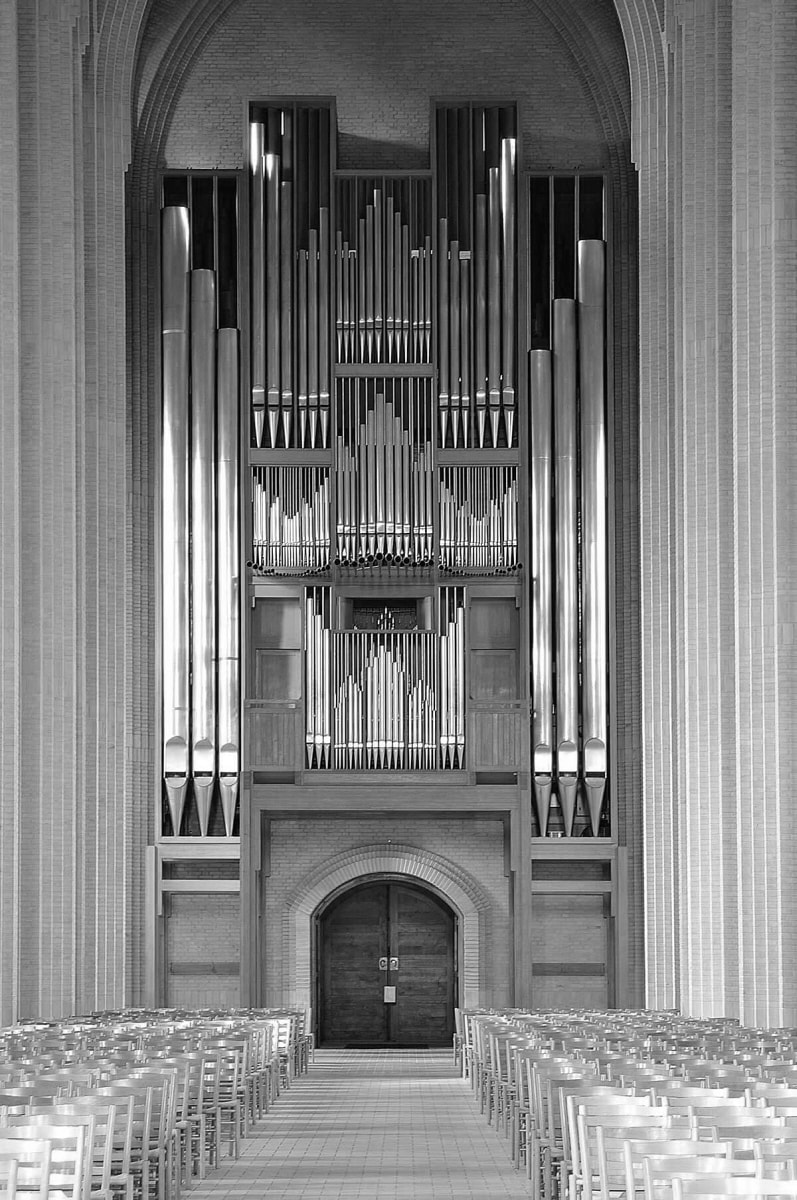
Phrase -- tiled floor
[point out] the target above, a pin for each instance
(372, 1125)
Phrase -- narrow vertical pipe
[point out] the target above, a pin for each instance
(454, 342)
(389, 280)
(480, 317)
(174, 516)
(273, 398)
(508, 239)
(302, 319)
(443, 327)
(565, 449)
(203, 518)
(378, 275)
(228, 573)
(258, 273)
(312, 336)
(286, 259)
(325, 300)
(592, 340)
(465, 343)
(494, 300)
(540, 390)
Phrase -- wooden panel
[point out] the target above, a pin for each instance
(493, 675)
(570, 946)
(277, 622)
(384, 920)
(493, 622)
(422, 936)
(353, 937)
(273, 737)
(496, 740)
(278, 675)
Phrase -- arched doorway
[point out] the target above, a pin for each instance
(386, 967)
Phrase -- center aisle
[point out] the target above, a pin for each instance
(372, 1125)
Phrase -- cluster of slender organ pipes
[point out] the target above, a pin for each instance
(382, 335)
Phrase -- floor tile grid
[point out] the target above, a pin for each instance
(372, 1125)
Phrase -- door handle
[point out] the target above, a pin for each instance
(394, 964)
(383, 964)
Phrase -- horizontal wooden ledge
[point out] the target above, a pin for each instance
(570, 887)
(209, 968)
(201, 885)
(570, 969)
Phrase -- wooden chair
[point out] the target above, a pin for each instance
(723, 1186)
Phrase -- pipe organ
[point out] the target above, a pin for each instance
(424, 399)
(200, 504)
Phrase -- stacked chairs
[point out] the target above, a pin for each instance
(136, 1104)
(600, 1104)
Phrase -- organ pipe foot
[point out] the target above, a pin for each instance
(203, 795)
(228, 787)
(175, 764)
(595, 788)
(542, 799)
(481, 418)
(260, 421)
(443, 427)
(176, 789)
(495, 417)
(273, 425)
(568, 791)
(324, 418)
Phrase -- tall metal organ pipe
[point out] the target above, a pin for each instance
(203, 573)
(540, 389)
(174, 513)
(258, 269)
(592, 321)
(228, 587)
(566, 449)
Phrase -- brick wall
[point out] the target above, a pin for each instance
(203, 931)
(298, 848)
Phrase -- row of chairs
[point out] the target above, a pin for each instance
(135, 1105)
(603, 1105)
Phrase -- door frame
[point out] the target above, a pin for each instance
(350, 886)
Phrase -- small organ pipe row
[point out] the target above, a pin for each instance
(570, 614)
(476, 275)
(452, 678)
(318, 686)
(383, 271)
(384, 472)
(382, 699)
(290, 520)
(290, 277)
(478, 520)
(199, 496)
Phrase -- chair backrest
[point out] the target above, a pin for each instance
(25, 1168)
(720, 1187)
(68, 1150)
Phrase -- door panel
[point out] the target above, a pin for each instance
(383, 921)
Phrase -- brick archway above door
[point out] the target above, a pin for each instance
(394, 860)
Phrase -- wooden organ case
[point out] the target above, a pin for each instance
(403, 458)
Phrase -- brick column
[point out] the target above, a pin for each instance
(765, 442)
(72, 823)
(714, 94)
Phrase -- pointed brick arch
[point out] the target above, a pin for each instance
(389, 859)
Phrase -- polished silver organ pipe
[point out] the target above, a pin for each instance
(390, 277)
(453, 338)
(339, 294)
(494, 299)
(174, 515)
(464, 342)
(508, 281)
(227, 573)
(382, 482)
(594, 700)
(378, 281)
(312, 336)
(272, 221)
(203, 518)
(427, 291)
(302, 272)
(480, 316)
(398, 298)
(369, 283)
(258, 238)
(405, 288)
(323, 328)
(540, 391)
(443, 317)
(362, 268)
(286, 294)
(565, 449)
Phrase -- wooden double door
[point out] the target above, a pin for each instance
(386, 967)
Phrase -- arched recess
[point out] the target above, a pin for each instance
(465, 896)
